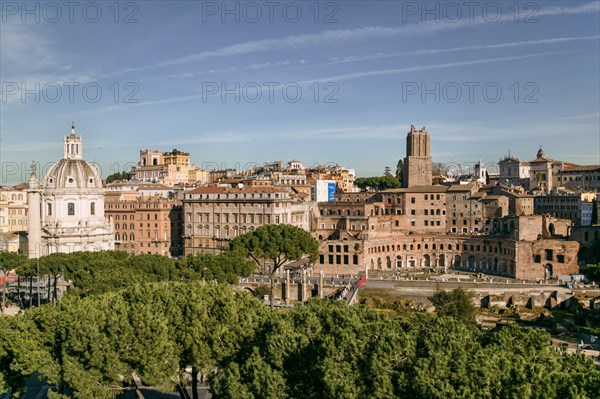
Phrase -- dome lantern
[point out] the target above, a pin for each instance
(73, 147)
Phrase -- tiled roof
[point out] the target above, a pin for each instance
(419, 189)
(580, 168)
(231, 190)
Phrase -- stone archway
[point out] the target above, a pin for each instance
(442, 260)
(426, 261)
(471, 262)
(457, 261)
(548, 272)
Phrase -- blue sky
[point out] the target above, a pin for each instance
(367, 70)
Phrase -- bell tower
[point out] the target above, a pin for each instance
(417, 164)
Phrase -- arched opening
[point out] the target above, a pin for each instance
(388, 262)
(398, 262)
(548, 272)
(552, 229)
(379, 263)
(471, 262)
(442, 260)
(495, 265)
(457, 261)
(426, 261)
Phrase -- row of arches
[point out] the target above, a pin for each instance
(412, 247)
(425, 261)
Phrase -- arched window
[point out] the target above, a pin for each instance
(49, 208)
(93, 208)
(131, 237)
(71, 209)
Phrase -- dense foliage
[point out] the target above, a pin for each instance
(90, 346)
(457, 304)
(273, 245)
(592, 272)
(118, 176)
(377, 183)
(98, 272)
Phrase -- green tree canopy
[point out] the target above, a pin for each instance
(457, 303)
(377, 183)
(274, 245)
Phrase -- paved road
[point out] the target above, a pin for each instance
(421, 288)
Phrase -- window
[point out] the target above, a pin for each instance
(49, 209)
(71, 209)
(93, 208)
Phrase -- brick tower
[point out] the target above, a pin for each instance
(417, 164)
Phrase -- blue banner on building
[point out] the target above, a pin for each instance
(331, 187)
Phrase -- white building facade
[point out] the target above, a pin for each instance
(66, 209)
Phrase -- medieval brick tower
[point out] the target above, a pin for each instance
(417, 164)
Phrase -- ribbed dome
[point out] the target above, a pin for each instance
(72, 173)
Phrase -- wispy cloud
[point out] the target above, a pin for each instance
(333, 37)
(251, 67)
(591, 7)
(379, 72)
(461, 48)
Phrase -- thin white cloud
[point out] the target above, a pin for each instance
(461, 48)
(591, 7)
(332, 37)
(379, 72)
(251, 67)
(337, 78)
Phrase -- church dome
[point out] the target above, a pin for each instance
(73, 172)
